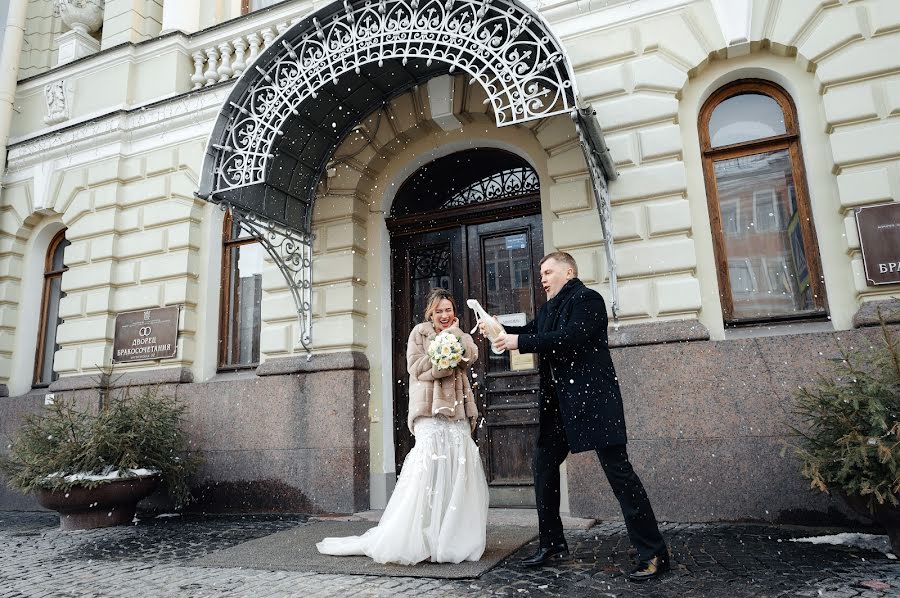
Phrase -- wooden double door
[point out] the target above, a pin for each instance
(496, 262)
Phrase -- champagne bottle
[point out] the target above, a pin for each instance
(492, 328)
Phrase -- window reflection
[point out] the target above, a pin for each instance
(508, 283)
(430, 268)
(745, 117)
(763, 240)
(242, 299)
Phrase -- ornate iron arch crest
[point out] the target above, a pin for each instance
(501, 44)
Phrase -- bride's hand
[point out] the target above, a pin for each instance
(473, 423)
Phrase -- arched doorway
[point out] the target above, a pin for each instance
(272, 152)
(470, 222)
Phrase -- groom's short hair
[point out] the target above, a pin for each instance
(563, 258)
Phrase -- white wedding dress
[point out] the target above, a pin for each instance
(438, 511)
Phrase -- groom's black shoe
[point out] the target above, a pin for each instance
(545, 555)
(649, 569)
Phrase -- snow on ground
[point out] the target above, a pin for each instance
(864, 541)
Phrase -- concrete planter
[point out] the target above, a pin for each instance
(887, 516)
(112, 503)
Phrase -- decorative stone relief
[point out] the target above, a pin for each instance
(57, 102)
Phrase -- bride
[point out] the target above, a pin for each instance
(438, 511)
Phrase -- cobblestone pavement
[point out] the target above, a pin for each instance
(147, 559)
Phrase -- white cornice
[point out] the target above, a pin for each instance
(124, 132)
(128, 123)
(255, 21)
(570, 18)
(105, 60)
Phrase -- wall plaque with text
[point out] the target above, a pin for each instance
(146, 334)
(879, 237)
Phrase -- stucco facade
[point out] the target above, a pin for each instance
(118, 161)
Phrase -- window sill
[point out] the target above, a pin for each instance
(238, 368)
(234, 373)
(785, 328)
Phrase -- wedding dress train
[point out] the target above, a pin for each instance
(438, 510)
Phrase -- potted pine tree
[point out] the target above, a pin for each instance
(850, 431)
(93, 468)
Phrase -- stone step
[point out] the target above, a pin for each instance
(516, 517)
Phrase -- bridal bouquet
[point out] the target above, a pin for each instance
(446, 351)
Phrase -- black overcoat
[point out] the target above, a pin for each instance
(577, 372)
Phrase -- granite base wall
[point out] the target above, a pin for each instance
(708, 422)
(12, 412)
(290, 437)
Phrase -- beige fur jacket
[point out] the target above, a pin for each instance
(433, 391)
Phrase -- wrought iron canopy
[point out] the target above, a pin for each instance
(292, 107)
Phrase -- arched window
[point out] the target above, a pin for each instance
(240, 314)
(465, 178)
(759, 208)
(54, 267)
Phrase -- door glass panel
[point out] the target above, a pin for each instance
(508, 284)
(767, 265)
(430, 268)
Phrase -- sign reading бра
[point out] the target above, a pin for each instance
(879, 238)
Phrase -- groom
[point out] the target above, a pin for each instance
(580, 410)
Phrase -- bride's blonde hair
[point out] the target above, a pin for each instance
(435, 296)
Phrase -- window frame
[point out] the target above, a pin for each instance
(49, 275)
(790, 142)
(225, 317)
(771, 196)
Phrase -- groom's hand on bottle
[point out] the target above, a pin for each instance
(507, 342)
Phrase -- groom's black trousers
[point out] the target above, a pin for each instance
(639, 518)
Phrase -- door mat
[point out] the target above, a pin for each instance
(295, 550)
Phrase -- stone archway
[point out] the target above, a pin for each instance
(285, 117)
(369, 166)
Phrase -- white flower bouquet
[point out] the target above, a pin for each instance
(446, 351)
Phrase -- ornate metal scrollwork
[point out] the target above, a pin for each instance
(512, 182)
(432, 262)
(501, 44)
(292, 253)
